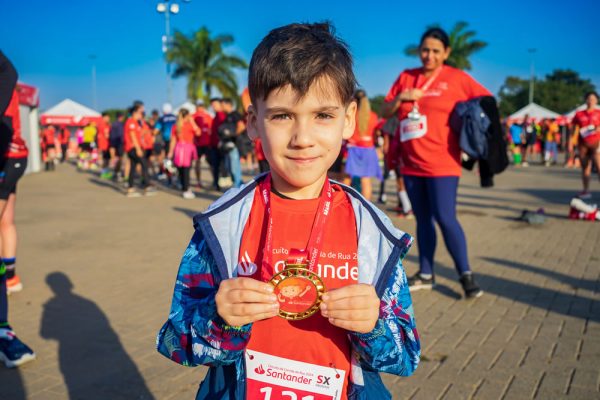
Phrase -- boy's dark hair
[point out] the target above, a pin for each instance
(227, 100)
(298, 55)
(590, 93)
(215, 99)
(436, 33)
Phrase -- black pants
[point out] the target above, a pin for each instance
(63, 149)
(214, 159)
(184, 177)
(135, 160)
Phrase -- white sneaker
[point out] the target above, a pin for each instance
(189, 195)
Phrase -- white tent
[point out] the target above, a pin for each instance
(69, 112)
(534, 111)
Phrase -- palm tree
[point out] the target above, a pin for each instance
(201, 58)
(461, 42)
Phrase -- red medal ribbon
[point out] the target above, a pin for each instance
(310, 254)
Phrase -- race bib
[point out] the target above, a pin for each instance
(586, 131)
(413, 128)
(276, 378)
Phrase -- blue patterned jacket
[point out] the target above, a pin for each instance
(194, 334)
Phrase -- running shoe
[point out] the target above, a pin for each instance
(470, 287)
(585, 196)
(417, 282)
(150, 191)
(14, 285)
(13, 352)
(382, 199)
(132, 192)
(188, 195)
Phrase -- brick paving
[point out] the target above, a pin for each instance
(99, 268)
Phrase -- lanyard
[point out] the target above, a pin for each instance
(310, 254)
(426, 85)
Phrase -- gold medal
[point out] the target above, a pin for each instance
(298, 290)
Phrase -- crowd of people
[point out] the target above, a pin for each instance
(541, 141)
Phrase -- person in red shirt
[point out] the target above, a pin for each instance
(204, 121)
(216, 158)
(587, 128)
(13, 162)
(65, 137)
(103, 145)
(49, 146)
(362, 160)
(183, 136)
(423, 98)
(135, 127)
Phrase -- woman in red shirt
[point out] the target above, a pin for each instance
(135, 126)
(362, 160)
(423, 98)
(183, 150)
(587, 127)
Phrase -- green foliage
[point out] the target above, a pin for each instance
(376, 103)
(112, 113)
(561, 91)
(201, 58)
(462, 43)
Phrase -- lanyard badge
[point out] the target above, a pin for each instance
(298, 288)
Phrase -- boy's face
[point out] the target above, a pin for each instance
(301, 138)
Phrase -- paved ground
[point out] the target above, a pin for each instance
(99, 268)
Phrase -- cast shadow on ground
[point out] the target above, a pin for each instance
(187, 211)
(552, 196)
(439, 287)
(572, 281)
(92, 359)
(534, 296)
(12, 387)
(515, 210)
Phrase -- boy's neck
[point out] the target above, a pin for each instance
(305, 193)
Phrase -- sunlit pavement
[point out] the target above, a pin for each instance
(534, 334)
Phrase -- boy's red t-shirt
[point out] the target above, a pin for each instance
(313, 340)
(437, 153)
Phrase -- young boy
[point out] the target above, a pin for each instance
(293, 286)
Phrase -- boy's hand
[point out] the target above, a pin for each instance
(353, 307)
(241, 301)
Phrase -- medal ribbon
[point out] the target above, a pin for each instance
(310, 254)
(426, 85)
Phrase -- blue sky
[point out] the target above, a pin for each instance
(50, 41)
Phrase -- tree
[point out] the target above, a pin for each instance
(376, 103)
(561, 91)
(202, 60)
(462, 43)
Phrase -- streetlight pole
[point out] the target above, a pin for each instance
(532, 77)
(94, 97)
(168, 7)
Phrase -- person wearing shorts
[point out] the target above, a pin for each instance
(587, 127)
(13, 160)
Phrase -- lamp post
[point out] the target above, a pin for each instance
(94, 97)
(168, 7)
(532, 77)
